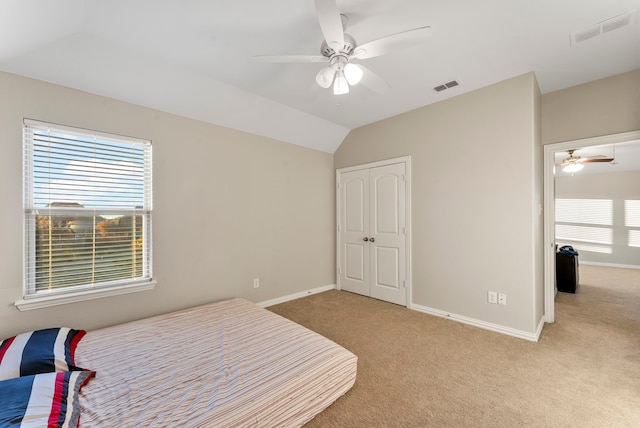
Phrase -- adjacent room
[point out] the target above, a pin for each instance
(341, 213)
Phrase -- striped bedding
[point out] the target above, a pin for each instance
(225, 364)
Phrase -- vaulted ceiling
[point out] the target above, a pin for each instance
(192, 57)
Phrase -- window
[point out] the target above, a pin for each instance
(587, 224)
(632, 221)
(87, 207)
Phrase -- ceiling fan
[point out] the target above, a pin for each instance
(574, 163)
(339, 49)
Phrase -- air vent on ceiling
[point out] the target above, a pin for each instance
(604, 27)
(447, 85)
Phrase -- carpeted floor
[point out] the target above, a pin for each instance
(417, 370)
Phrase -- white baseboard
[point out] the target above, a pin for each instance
(532, 337)
(539, 329)
(295, 296)
(613, 265)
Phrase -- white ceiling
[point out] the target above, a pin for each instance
(191, 57)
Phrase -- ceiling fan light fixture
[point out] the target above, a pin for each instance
(324, 78)
(573, 167)
(340, 84)
(353, 73)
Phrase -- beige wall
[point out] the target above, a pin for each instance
(538, 199)
(228, 206)
(603, 107)
(618, 188)
(267, 207)
(476, 187)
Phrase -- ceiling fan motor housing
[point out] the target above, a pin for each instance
(347, 48)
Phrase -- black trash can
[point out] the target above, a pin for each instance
(567, 269)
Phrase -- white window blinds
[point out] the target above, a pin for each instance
(88, 204)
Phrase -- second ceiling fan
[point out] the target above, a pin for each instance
(339, 49)
(573, 162)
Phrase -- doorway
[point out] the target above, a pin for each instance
(550, 207)
(373, 230)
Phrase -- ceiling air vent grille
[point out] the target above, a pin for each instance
(604, 27)
(447, 85)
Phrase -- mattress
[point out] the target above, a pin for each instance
(225, 364)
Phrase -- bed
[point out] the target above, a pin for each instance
(225, 364)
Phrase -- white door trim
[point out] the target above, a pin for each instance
(407, 162)
(549, 210)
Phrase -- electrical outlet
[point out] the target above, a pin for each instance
(492, 297)
(256, 282)
(502, 299)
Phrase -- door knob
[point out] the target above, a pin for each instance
(365, 239)
(372, 239)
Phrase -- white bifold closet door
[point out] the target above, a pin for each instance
(372, 232)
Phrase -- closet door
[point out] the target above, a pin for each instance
(387, 233)
(353, 231)
(372, 232)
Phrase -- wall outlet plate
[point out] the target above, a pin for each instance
(502, 299)
(492, 297)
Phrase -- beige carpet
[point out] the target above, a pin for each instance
(417, 370)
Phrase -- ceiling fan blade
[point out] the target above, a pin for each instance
(598, 158)
(372, 81)
(290, 58)
(392, 43)
(330, 23)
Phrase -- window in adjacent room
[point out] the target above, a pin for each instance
(87, 208)
(632, 221)
(586, 224)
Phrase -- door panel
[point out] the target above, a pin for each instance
(387, 272)
(387, 190)
(354, 216)
(354, 266)
(385, 213)
(354, 204)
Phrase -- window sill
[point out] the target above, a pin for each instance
(38, 302)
